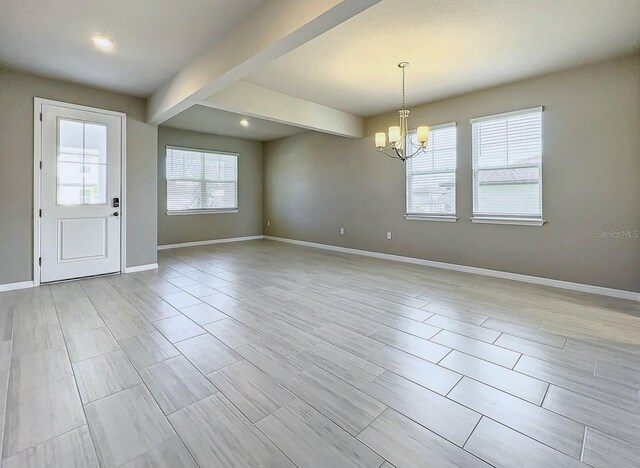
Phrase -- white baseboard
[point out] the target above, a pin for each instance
(12, 286)
(207, 242)
(619, 293)
(135, 269)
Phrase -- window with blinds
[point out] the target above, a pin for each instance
(431, 176)
(199, 180)
(507, 165)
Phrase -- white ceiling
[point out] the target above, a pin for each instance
(154, 38)
(208, 120)
(454, 46)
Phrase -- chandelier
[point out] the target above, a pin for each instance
(400, 145)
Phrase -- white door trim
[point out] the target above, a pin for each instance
(37, 178)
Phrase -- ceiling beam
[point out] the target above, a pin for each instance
(273, 29)
(255, 101)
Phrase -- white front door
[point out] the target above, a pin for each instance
(80, 192)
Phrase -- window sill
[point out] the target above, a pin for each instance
(512, 221)
(417, 217)
(199, 212)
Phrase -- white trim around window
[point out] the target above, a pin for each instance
(417, 217)
(201, 181)
(507, 153)
(504, 115)
(199, 212)
(513, 221)
(430, 193)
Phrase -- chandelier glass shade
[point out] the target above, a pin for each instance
(400, 146)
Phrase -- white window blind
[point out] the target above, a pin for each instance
(199, 180)
(507, 165)
(431, 176)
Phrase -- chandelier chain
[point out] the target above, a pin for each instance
(403, 70)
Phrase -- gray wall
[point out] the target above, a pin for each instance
(17, 91)
(315, 184)
(177, 229)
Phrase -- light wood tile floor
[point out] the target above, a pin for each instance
(262, 354)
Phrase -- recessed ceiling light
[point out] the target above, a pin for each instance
(102, 42)
(244, 122)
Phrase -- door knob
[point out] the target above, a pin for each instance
(116, 214)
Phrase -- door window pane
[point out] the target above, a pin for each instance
(70, 139)
(95, 184)
(95, 143)
(81, 163)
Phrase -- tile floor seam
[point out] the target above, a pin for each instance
(338, 307)
(75, 382)
(142, 382)
(584, 440)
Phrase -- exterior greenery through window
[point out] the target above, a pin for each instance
(507, 165)
(431, 176)
(201, 181)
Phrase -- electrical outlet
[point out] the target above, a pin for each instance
(388, 236)
(341, 230)
(268, 223)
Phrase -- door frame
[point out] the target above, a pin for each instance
(37, 178)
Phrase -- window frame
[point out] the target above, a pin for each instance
(500, 218)
(446, 217)
(200, 211)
